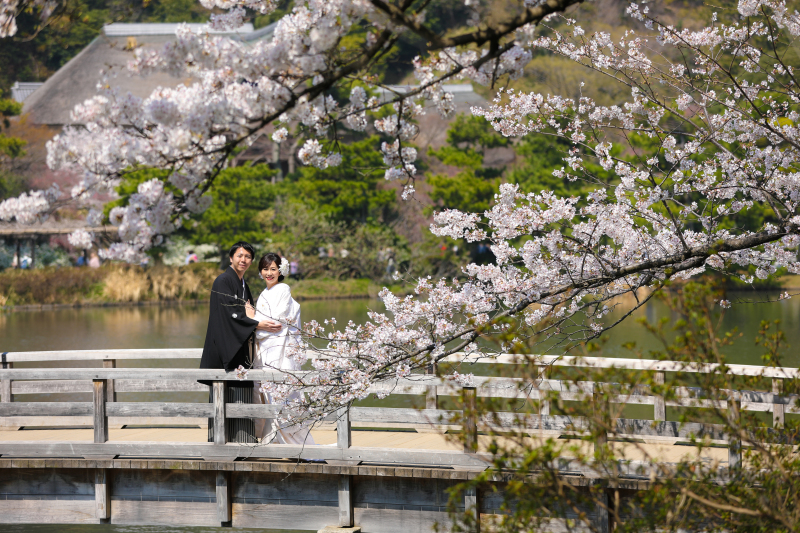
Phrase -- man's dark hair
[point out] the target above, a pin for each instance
(247, 247)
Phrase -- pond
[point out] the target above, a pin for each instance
(184, 326)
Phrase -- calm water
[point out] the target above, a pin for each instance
(184, 327)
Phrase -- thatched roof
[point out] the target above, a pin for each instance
(77, 81)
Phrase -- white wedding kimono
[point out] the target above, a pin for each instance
(272, 353)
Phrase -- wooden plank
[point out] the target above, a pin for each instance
(401, 416)
(223, 497)
(123, 385)
(47, 409)
(101, 355)
(102, 493)
(164, 513)
(630, 364)
(301, 516)
(541, 360)
(50, 511)
(160, 409)
(273, 451)
(345, 501)
(74, 421)
(187, 374)
(100, 422)
(393, 520)
(125, 354)
(220, 434)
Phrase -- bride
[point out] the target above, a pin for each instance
(273, 349)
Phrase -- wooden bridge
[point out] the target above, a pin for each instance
(381, 469)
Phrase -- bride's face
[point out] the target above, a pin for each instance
(270, 274)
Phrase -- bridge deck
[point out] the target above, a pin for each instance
(664, 451)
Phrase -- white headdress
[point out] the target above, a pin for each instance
(284, 268)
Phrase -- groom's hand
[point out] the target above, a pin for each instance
(249, 310)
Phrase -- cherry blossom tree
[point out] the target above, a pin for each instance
(709, 130)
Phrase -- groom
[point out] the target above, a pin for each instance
(227, 338)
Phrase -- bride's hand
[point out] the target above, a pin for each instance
(249, 310)
(269, 326)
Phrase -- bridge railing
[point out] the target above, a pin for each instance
(104, 411)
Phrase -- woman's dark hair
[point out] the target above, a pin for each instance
(266, 260)
(247, 248)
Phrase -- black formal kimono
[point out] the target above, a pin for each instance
(226, 347)
(228, 325)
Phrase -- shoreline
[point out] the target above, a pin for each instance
(152, 303)
(192, 302)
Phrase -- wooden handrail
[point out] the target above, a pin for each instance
(541, 360)
(108, 379)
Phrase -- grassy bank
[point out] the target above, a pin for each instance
(119, 284)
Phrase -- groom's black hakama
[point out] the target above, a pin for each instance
(226, 347)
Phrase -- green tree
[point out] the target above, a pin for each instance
(241, 195)
(10, 148)
(473, 188)
(349, 192)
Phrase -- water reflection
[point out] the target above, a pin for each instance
(185, 326)
(744, 317)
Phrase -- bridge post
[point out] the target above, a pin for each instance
(100, 416)
(600, 411)
(471, 507)
(778, 409)
(224, 497)
(431, 398)
(659, 406)
(600, 520)
(470, 420)
(734, 442)
(111, 394)
(544, 405)
(220, 435)
(345, 501)
(102, 494)
(344, 439)
(5, 385)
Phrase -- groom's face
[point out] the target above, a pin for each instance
(241, 261)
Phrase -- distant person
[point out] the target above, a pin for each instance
(80, 261)
(25, 263)
(294, 270)
(94, 260)
(191, 257)
(15, 261)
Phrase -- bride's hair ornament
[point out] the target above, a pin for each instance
(284, 268)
